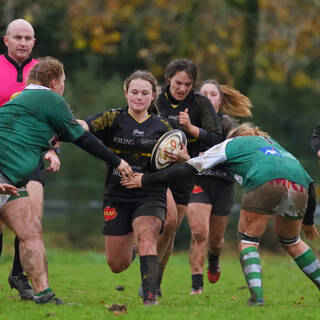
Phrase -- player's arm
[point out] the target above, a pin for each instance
(163, 176)
(308, 226)
(315, 140)
(95, 147)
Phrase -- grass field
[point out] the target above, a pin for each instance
(83, 280)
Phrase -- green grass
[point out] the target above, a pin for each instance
(84, 280)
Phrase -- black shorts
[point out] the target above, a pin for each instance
(38, 174)
(217, 192)
(118, 216)
(181, 189)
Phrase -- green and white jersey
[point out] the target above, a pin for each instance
(253, 160)
(30, 124)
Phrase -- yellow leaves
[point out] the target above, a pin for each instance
(80, 43)
(276, 75)
(213, 49)
(301, 80)
(152, 34)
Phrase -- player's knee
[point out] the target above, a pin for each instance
(198, 236)
(216, 241)
(117, 265)
(244, 238)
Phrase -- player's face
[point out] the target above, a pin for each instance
(180, 85)
(20, 41)
(212, 92)
(139, 95)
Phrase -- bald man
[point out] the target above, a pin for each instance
(15, 65)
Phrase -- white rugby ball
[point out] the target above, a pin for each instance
(170, 141)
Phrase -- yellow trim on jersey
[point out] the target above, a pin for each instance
(135, 154)
(137, 120)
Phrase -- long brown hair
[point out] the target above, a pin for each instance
(232, 102)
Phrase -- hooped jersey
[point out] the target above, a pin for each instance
(133, 141)
(29, 125)
(253, 160)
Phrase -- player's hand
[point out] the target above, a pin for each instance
(181, 156)
(124, 169)
(184, 120)
(6, 188)
(135, 181)
(83, 124)
(310, 231)
(54, 160)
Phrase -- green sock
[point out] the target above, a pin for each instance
(41, 293)
(310, 265)
(251, 266)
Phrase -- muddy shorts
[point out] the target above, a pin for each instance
(280, 196)
(118, 216)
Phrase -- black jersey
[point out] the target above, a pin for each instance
(201, 114)
(133, 141)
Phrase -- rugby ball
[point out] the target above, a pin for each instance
(170, 142)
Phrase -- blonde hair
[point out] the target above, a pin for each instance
(46, 70)
(246, 129)
(234, 103)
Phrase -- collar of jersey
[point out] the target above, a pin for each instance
(33, 86)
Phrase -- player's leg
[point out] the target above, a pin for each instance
(17, 215)
(118, 251)
(146, 230)
(17, 279)
(198, 217)
(166, 238)
(221, 194)
(218, 224)
(118, 233)
(251, 227)
(288, 232)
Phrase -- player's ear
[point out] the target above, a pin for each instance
(5, 40)
(53, 84)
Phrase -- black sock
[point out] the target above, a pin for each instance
(197, 281)
(149, 269)
(213, 260)
(17, 267)
(1, 237)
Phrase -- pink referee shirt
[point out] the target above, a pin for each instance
(12, 76)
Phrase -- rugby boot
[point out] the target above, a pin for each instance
(214, 273)
(20, 282)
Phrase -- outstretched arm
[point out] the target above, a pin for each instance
(163, 176)
(94, 146)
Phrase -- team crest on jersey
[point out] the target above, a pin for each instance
(109, 213)
(137, 133)
(197, 189)
(270, 151)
